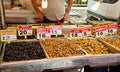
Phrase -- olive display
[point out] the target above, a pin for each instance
(17, 51)
(112, 41)
(92, 46)
(61, 48)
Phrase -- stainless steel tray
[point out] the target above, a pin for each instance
(29, 40)
(111, 47)
(60, 52)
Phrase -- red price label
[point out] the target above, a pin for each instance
(7, 35)
(76, 32)
(43, 33)
(87, 31)
(24, 30)
(101, 31)
(56, 30)
(112, 28)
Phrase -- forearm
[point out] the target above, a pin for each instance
(70, 2)
(34, 3)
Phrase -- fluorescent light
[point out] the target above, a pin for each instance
(44, 3)
(84, 0)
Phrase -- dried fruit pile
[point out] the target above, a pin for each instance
(113, 41)
(92, 46)
(17, 51)
(61, 48)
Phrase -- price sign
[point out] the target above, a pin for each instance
(87, 31)
(112, 28)
(101, 31)
(7, 35)
(56, 30)
(24, 30)
(76, 32)
(43, 33)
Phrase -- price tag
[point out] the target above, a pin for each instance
(56, 30)
(7, 35)
(43, 33)
(112, 28)
(24, 30)
(76, 32)
(87, 31)
(101, 31)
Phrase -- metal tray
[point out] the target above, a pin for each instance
(29, 40)
(113, 48)
(110, 47)
(62, 56)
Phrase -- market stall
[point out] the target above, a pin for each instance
(37, 47)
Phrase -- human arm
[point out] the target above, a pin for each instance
(66, 15)
(39, 13)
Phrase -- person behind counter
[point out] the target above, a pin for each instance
(54, 11)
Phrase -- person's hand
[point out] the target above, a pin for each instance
(66, 16)
(40, 16)
(24, 5)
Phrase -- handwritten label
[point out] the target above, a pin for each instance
(56, 30)
(87, 31)
(43, 33)
(101, 31)
(7, 35)
(112, 28)
(76, 32)
(24, 30)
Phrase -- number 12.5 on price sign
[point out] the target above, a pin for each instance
(8, 35)
(24, 30)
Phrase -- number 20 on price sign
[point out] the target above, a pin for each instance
(24, 30)
(43, 33)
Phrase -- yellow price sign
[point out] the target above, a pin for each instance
(8, 35)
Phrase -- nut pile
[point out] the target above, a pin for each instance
(61, 48)
(113, 41)
(17, 51)
(92, 46)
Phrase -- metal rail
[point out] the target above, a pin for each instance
(3, 14)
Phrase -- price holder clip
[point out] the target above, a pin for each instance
(43, 33)
(76, 32)
(24, 30)
(112, 29)
(8, 35)
(56, 30)
(101, 31)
